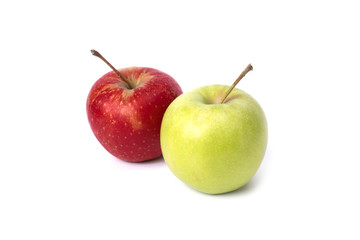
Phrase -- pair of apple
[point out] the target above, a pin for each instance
(212, 138)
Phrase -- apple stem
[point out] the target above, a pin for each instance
(247, 69)
(97, 54)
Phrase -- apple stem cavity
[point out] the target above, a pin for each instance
(124, 79)
(247, 69)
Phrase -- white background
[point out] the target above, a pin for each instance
(57, 182)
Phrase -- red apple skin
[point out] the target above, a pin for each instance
(127, 121)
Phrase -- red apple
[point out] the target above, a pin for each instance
(125, 108)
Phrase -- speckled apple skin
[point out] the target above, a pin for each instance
(127, 121)
(214, 148)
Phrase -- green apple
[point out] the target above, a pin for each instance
(214, 138)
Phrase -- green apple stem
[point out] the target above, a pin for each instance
(247, 69)
(97, 54)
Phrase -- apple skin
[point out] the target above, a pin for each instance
(214, 148)
(127, 121)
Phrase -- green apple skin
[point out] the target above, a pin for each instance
(214, 148)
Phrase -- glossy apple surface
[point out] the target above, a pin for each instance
(212, 147)
(126, 120)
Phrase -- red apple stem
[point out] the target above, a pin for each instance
(97, 54)
(247, 69)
